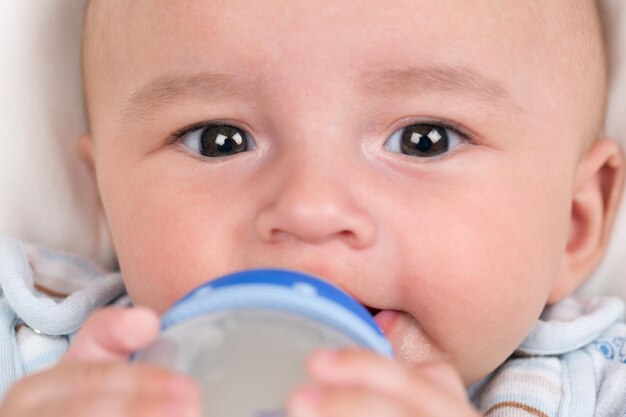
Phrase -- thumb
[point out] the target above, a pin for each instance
(113, 333)
(444, 375)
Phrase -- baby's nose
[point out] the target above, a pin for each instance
(313, 205)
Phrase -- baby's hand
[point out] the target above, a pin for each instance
(358, 383)
(95, 379)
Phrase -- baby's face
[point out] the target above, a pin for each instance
(419, 154)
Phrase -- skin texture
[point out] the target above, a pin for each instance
(437, 239)
(461, 252)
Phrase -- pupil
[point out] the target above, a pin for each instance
(227, 147)
(424, 144)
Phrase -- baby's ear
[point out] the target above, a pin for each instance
(84, 145)
(597, 192)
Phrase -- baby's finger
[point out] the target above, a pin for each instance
(442, 374)
(315, 401)
(360, 368)
(119, 405)
(113, 334)
(83, 379)
(353, 401)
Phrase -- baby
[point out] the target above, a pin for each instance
(440, 160)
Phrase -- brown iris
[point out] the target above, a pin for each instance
(222, 140)
(424, 140)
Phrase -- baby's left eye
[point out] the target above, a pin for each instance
(215, 140)
(424, 140)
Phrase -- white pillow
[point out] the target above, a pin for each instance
(47, 194)
(611, 275)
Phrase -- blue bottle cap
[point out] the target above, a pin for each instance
(284, 290)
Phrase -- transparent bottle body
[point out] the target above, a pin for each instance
(246, 360)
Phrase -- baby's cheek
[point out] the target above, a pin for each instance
(476, 336)
(476, 298)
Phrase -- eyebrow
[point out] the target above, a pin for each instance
(458, 79)
(167, 90)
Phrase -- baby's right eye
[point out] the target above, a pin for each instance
(215, 140)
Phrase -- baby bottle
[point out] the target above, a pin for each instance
(245, 337)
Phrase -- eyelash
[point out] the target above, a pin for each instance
(179, 134)
(465, 136)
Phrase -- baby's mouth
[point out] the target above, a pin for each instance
(386, 319)
(373, 311)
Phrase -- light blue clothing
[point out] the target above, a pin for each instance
(572, 364)
(35, 326)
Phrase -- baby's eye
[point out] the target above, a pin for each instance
(216, 140)
(425, 140)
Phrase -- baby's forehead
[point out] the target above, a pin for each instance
(555, 15)
(560, 17)
(563, 32)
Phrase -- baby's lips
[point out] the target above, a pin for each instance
(386, 320)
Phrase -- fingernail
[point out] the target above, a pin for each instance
(325, 357)
(184, 397)
(305, 402)
(177, 407)
(182, 387)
